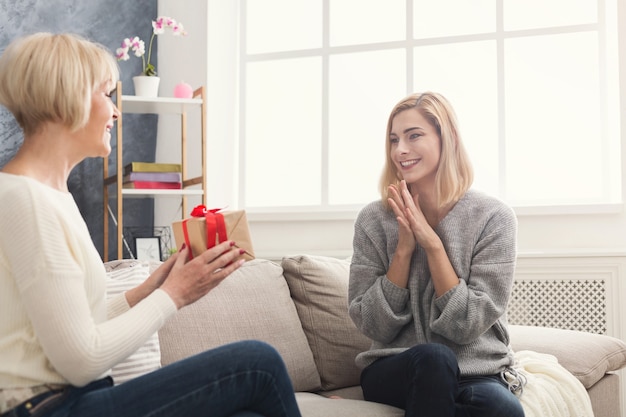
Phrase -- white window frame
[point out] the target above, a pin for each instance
(325, 211)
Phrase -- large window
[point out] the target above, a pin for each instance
(534, 84)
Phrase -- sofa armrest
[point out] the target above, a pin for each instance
(587, 356)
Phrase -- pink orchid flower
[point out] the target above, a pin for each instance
(139, 48)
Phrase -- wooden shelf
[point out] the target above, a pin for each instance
(113, 189)
(159, 105)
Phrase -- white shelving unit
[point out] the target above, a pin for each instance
(113, 188)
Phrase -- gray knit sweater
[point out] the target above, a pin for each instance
(479, 235)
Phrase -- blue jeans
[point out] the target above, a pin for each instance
(242, 379)
(425, 382)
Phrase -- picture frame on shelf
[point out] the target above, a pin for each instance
(148, 248)
(164, 233)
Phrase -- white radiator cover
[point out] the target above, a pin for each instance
(574, 291)
(576, 304)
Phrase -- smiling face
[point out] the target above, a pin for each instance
(415, 148)
(96, 134)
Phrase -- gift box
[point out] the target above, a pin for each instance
(206, 228)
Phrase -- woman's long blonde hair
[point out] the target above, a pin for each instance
(454, 174)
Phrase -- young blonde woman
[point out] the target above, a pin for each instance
(431, 275)
(58, 335)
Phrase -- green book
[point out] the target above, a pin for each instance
(151, 167)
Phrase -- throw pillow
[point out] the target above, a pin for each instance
(587, 356)
(123, 275)
(252, 303)
(319, 288)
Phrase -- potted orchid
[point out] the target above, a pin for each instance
(138, 48)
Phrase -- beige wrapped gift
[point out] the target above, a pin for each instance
(206, 228)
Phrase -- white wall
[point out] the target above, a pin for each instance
(188, 59)
(210, 59)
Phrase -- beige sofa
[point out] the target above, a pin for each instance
(299, 306)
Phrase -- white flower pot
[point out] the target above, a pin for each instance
(146, 86)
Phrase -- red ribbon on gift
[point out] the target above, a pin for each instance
(214, 226)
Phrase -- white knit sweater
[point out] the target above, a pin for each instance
(55, 324)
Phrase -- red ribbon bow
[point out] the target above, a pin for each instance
(215, 226)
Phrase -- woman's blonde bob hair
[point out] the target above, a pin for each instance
(48, 77)
(454, 174)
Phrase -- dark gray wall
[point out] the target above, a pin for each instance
(106, 22)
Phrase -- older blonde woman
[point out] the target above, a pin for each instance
(431, 275)
(58, 335)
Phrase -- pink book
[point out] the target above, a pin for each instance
(153, 185)
(154, 176)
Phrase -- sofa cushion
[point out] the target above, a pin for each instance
(123, 275)
(319, 288)
(587, 356)
(313, 405)
(252, 303)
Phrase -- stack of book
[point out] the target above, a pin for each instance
(152, 175)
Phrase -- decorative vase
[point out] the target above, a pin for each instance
(146, 86)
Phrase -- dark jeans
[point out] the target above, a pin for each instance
(425, 382)
(240, 379)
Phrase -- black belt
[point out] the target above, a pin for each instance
(29, 407)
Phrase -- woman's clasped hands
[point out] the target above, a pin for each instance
(413, 226)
